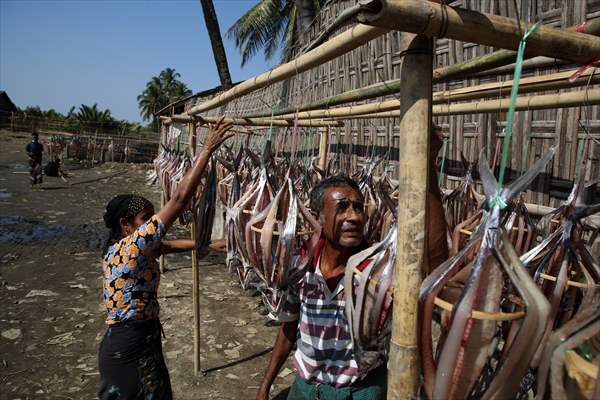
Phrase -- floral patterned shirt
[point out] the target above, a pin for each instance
(131, 275)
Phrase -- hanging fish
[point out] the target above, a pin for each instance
(496, 278)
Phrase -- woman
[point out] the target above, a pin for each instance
(131, 363)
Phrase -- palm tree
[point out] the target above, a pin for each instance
(271, 24)
(160, 91)
(214, 32)
(93, 118)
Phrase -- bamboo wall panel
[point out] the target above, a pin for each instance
(534, 132)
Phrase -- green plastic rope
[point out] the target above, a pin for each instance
(511, 115)
(513, 102)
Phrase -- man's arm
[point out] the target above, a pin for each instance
(283, 346)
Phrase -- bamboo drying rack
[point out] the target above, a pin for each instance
(418, 20)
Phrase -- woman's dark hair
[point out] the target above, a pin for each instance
(316, 195)
(122, 206)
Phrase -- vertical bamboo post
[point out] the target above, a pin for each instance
(415, 120)
(323, 147)
(162, 141)
(195, 275)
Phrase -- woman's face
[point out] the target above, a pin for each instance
(140, 218)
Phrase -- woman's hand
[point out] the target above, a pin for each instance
(217, 134)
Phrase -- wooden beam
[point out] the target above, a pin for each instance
(540, 102)
(432, 19)
(336, 46)
(415, 117)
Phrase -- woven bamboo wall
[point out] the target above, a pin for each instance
(379, 60)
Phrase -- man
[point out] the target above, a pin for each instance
(314, 317)
(35, 151)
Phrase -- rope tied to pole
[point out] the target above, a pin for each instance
(511, 117)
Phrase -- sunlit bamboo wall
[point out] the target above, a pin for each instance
(380, 60)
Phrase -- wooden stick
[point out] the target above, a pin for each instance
(415, 117)
(569, 283)
(336, 46)
(482, 315)
(195, 280)
(432, 19)
(323, 148)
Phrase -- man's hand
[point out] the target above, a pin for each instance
(217, 134)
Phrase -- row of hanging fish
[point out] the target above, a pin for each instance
(513, 312)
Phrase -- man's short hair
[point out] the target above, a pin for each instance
(317, 194)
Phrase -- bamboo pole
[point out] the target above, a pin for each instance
(488, 64)
(415, 117)
(268, 122)
(163, 140)
(323, 147)
(432, 19)
(541, 102)
(252, 121)
(336, 46)
(195, 274)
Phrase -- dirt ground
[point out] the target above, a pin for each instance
(52, 318)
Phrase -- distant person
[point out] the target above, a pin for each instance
(54, 168)
(35, 150)
(131, 362)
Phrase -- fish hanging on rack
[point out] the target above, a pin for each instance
(282, 227)
(497, 288)
(368, 281)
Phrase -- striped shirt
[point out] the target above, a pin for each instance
(324, 347)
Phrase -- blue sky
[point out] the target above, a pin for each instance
(58, 54)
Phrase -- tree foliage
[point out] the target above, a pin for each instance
(271, 25)
(160, 91)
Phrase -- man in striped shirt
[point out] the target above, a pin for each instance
(314, 315)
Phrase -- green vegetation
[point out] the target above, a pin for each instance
(84, 120)
(272, 24)
(160, 91)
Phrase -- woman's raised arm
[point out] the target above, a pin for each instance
(217, 134)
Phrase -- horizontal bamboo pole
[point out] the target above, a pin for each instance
(336, 46)
(527, 85)
(541, 102)
(432, 19)
(269, 122)
(251, 121)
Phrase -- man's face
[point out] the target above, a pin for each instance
(343, 216)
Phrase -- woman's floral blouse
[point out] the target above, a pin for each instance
(131, 275)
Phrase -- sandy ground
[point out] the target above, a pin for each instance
(52, 319)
